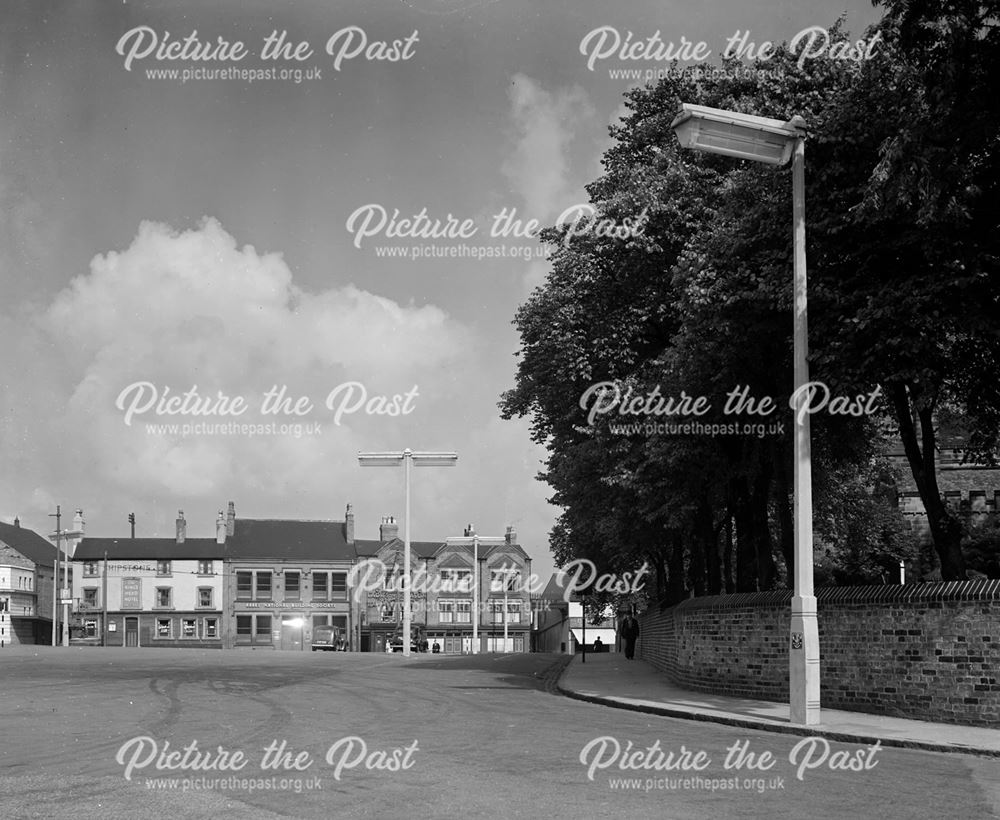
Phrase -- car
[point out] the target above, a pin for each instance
(327, 638)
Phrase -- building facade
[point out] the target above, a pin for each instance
(443, 593)
(27, 583)
(286, 577)
(150, 592)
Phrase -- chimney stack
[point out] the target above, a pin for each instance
(349, 525)
(231, 520)
(181, 527)
(220, 528)
(511, 536)
(17, 521)
(470, 531)
(388, 529)
(75, 536)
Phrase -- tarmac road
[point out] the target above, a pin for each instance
(316, 735)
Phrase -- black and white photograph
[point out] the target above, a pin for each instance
(499, 408)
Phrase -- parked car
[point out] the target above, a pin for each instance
(328, 639)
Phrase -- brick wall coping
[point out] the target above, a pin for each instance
(981, 590)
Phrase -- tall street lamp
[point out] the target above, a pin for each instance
(406, 458)
(473, 540)
(773, 142)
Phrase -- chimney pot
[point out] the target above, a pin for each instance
(388, 529)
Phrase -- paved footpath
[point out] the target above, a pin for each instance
(610, 679)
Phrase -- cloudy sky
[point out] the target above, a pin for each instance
(163, 232)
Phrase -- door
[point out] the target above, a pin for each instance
(131, 632)
(291, 632)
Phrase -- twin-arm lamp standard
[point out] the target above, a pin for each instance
(406, 458)
(773, 142)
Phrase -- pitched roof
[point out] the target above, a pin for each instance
(279, 539)
(93, 549)
(29, 543)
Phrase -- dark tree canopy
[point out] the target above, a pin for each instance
(902, 213)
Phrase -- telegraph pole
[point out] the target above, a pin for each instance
(57, 515)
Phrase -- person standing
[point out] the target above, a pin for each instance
(630, 633)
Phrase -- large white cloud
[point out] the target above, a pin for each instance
(179, 309)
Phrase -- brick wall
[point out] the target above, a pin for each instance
(927, 651)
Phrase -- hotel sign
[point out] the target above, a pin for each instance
(131, 593)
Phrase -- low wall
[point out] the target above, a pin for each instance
(927, 651)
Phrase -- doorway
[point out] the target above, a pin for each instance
(291, 632)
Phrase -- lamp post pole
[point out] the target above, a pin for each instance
(803, 669)
(406, 458)
(770, 141)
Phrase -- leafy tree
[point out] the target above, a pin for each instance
(902, 295)
(905, 243)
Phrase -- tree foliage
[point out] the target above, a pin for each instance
(903, 298)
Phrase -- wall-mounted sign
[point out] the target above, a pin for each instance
(131, 593)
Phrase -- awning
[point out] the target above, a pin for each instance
(607, 636)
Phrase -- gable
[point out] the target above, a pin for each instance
(452, 559)
(507, 555)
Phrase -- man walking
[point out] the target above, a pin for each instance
(630, 633)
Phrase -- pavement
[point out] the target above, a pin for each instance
(609, 679)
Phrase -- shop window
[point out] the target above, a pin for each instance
(244, 628)
(210, 628)
(262, 632)
(189, 628)
(90, 628)
(164, 628)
